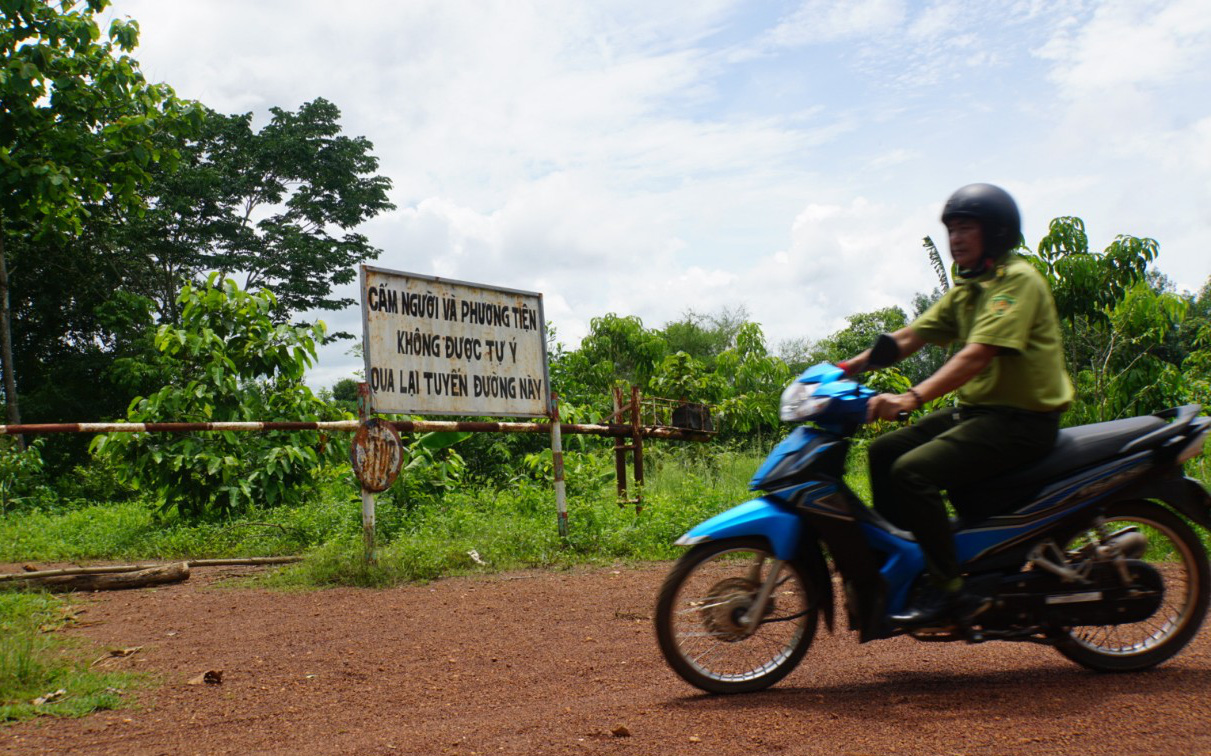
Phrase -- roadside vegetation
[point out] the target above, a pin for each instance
(40, 671)
(131, 199)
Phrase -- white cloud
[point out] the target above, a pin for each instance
(1128, 43)
(1132, 118)
(650, 156)
(936, 22)
(842, 259)
(817, 21)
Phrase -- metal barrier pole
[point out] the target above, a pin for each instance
(637, 443)
(363, 413)
(620, 454)
(561, 499)
(612, 430)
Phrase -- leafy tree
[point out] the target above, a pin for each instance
(277, 206)
(82, 300)
(930, 357)
(1139, 379)
(1193, 339)
(1196, 346)
(704, 337)
(681, 376)
(84, 345)
(344, 394)
(863, 329)
(80, 128)
(936, 262)
(230, 362)
(1089, 289)
(756, 379)
(860, 334)
(1089, 284)
(797, 353)
(616, 349)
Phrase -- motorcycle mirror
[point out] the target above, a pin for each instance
(883, 353)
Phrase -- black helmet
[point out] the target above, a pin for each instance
(994, 209)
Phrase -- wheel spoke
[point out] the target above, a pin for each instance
(707, 633)
(1176, 610)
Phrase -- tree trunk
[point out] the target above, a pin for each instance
(169, 573)
(35, 574)
(6, 341)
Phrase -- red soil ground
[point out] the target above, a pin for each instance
(566, 663)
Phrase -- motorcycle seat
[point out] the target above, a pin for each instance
(1075, 448)
(1081, 446)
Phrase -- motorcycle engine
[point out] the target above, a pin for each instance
(1038, 597)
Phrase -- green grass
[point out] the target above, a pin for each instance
(423, 537)
(131, 531)
(36, 661)
(420, 537)
(517, 528)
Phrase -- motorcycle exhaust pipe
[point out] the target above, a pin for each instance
(1128, 543)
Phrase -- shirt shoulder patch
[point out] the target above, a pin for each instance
(1001, 304)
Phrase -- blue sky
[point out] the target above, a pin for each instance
(646, 157)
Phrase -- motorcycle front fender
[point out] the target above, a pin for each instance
(755, 518)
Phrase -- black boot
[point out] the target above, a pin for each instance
(938, 608)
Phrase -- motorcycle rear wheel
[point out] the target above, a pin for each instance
(698, 616)
(1176, 551)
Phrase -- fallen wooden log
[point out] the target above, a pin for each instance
(35, 574)
(112, 581)
(244, 560)
(118, 568)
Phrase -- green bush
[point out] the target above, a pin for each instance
(21, 479)
(231, 362)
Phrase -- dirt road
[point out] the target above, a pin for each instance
(566, 663)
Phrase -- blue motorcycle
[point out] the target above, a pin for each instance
(1090, 551)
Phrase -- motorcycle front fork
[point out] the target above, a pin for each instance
(752, 618)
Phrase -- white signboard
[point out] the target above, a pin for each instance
(440, 347)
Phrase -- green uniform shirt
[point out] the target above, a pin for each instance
(1010, 307)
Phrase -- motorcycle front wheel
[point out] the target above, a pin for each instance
(1176, 552)
(699, 617)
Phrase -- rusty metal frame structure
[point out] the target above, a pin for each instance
(617, 428)
(621, 409)
(608, 430)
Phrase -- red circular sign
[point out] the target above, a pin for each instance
(376, 454)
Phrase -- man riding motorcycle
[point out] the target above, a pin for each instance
(1011, 382)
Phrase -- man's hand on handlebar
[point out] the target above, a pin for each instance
(890, 407)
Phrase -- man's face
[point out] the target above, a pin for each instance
(966, 242)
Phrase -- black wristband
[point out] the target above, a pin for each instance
(915, 395)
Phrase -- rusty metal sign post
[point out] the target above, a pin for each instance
(435, 346)
(561, 496)
(692, 421)
(377, 456)
(635, 447)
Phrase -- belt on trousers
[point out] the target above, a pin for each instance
(999, 409)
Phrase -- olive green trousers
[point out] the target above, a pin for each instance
(951, 448)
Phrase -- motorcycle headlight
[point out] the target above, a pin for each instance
(797, 403)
